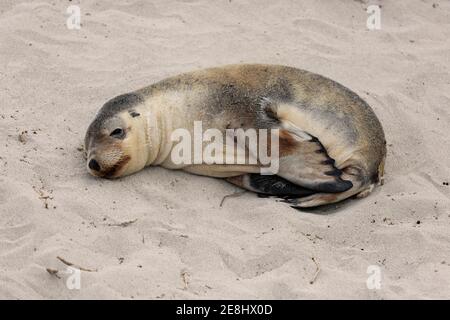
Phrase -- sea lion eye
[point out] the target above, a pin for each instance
(117, 133)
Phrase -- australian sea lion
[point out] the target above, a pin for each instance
(331, 144)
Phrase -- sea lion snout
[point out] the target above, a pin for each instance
(105, 155)
(107, 163)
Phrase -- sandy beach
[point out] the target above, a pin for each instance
(161, 234)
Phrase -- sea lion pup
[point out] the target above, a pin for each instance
(331, 144)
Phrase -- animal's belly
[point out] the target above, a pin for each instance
(221, 171)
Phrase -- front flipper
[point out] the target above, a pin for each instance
(270, 185)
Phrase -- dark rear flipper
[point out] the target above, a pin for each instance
(270, 185)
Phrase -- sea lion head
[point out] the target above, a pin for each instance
(115, 141)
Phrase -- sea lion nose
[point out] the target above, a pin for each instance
(93, 165)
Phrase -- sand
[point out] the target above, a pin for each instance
(162, 234)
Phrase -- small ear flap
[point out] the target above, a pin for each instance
(134, 114)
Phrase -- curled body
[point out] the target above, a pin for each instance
(331, 144)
